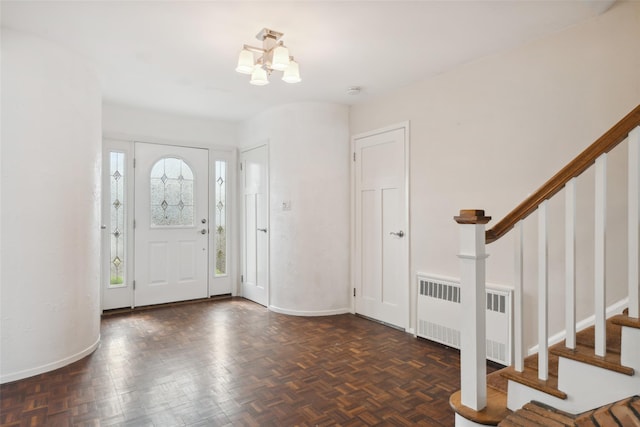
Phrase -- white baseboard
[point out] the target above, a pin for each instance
(26, 373)
(613, 309)
(309, 313)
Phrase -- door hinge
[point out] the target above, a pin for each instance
(134, 223)
(240, 166)
(242, 278)
(354, 292)
(134, 162)
(134, 285)
(354, 156)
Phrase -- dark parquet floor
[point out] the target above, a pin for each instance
(233, 362)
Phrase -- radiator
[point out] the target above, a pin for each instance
(439, 315)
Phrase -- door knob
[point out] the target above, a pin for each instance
(203, 231)
(399, 233)
(264, 230)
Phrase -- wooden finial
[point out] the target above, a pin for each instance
(472, 216)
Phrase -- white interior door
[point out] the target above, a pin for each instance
(255, 212)
(381, 240)
(171, 223)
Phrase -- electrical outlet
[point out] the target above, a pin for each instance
(286, 205)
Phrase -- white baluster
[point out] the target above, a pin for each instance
(543, 288)
(570, 262)
(518, 330)
(634, 223)
(600, 255)
(473, 353)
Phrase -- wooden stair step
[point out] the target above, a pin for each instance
(529, 377)
(625, 415)
(495, 411)
(585, 354)
(550, 412)
(624, 320)
(535, 414)
(616, 414)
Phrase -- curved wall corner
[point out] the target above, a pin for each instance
(50, 198)
(308, 167)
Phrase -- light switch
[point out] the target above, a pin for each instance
(286, 205)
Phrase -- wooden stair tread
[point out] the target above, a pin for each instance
(535, 414)
(624, 320)
(495, 411)
(586, 354)
(614, 414)
(529, 377)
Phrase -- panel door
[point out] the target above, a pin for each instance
(381, 264)
(255, 211)
(171, 223)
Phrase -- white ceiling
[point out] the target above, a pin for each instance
(179, 56)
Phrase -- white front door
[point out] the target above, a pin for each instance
(255, 220)
(381, 240)
(171, 223)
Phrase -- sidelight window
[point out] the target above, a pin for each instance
(221, 218)
(117, 210)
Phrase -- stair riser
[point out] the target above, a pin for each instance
(519, 395)
(589, 387)
(463, 422)
(630, 354)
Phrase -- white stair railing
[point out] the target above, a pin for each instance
(473, 255)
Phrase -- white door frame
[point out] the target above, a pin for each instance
(242, 222)
(125, 143)
(406, 241)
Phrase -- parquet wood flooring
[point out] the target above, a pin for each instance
(233, 362)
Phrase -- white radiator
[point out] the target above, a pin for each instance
(439, 315)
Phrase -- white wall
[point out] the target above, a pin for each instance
(488, 133)
(309, 166)
(51, 139)
(131, 123)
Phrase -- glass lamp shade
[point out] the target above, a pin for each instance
(292, 73)
(259, 76)
(245, 62)
(280, 60)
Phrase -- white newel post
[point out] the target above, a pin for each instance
(473, 353)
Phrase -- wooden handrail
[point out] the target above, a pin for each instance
(577, 166)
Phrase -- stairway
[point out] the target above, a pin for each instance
(599, 365)
(536, 413)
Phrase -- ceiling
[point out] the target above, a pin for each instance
(180, 56)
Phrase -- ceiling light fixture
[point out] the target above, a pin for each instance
(273, 55)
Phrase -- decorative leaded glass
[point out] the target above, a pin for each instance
(221, 218)
(117, 228)
(171, 197)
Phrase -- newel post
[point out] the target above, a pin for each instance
(473, 353)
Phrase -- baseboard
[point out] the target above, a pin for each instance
(613, 309)
(309, 313)
(26, 373)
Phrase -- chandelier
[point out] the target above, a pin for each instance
(273, 55)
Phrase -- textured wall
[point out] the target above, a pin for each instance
(309, 166)
(51, 136)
